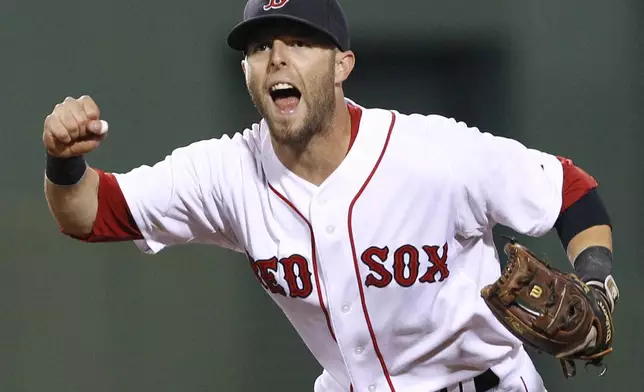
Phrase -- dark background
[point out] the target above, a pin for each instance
(564, 77)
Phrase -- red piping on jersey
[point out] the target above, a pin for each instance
(313, 256)
(355, 258)
(524, 386)
(576, 183)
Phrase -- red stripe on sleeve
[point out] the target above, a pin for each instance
(114, 221)
(576, 183)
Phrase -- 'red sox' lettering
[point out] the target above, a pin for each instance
(438, 264)
(296, 275)
(369, 257)
(406, 256)
(265, 271)
(303, 288)
(406, 265)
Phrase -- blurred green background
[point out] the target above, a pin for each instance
(564, 77)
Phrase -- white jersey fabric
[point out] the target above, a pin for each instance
(379, 268)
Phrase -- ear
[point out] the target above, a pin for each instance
(344, 63)
(245, 70)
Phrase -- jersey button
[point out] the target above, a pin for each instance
(330, 229)
(359, 350)
(372, 387)
(346, 308)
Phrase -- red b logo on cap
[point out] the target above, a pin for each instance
(275, 4)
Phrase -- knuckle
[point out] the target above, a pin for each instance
(78, 112)
(48, 140)
(68, 120)
(92, 112)
(49, 121)
(59, 109)
(62, 114)
(89, 105)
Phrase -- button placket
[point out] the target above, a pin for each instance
(331, 248)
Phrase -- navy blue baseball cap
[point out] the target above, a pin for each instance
(324, 16)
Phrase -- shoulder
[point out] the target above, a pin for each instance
(446, 137)
(435, 133)
(203, 160)
(439, 128)
(455, 140)
(239, 143)
(431, 126)
(240, 147)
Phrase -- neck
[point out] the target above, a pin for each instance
(321, 156)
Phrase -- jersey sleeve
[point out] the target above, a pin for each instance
(501, 181)
(178, 200)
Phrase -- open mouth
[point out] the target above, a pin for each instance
(286, 97)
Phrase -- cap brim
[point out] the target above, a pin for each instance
(239, 36)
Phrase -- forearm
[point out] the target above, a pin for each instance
(586, 233)
(74, 206)
(584, 225)
(600, 235)
(591, 254)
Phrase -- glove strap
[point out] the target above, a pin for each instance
(609, 288)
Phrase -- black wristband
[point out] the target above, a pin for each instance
(594, 263)
(65, 171)
(586, 212)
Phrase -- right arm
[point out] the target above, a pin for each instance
(71, 187)
(74, 207)
(177, 200)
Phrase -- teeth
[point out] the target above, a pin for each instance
(281, 86)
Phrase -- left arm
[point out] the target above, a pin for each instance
(504, 182)
(601, 235)
(585, 230)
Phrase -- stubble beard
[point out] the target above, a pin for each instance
(321, 107)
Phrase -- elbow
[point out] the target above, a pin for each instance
(72, 223)
(77, 232)
(74, 228)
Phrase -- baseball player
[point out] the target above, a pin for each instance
(370, 228)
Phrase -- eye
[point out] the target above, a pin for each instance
(259, 47)
(262, 47)
(300, 43)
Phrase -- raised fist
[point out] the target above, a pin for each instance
(74, 128)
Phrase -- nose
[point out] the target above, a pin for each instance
(278, 54)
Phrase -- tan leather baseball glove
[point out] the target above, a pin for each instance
(551, 311)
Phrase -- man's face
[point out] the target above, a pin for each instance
(290, 75)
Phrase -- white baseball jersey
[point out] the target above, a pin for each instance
(379, 268)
